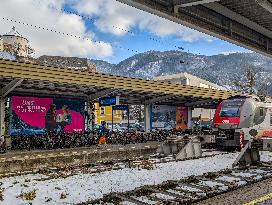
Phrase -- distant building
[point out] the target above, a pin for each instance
(105, 114)
(1, 44)
(188, 79)
(14, 43)
(67, 62)
(3, 54)
(14, 46)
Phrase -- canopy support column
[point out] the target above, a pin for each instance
(147, 117)
(2, 115)
(190, 114)
(3, 93)
(90, 115)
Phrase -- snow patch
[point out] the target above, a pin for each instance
(84, 187)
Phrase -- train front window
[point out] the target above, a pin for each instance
(231, 108)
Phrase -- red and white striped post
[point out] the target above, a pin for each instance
(242, 138)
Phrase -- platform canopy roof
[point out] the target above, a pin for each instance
(20, 78)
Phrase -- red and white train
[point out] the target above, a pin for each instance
(241, 118)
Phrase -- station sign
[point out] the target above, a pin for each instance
(106, 101)
(120, 107)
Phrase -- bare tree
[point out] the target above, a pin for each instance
(136, 112)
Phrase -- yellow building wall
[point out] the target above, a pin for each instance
(107, 115)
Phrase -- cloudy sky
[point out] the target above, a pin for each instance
(103, 29)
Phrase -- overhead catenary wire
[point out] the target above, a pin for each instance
(74, 13)
(69, 35)
(113, 26)
(86, 38)
(66, 34)
(80, 37)
(66, 11)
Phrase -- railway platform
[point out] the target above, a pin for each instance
(30, 161)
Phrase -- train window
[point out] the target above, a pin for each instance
(261, 111)
(231, 108)
(102, 111)
(259, 116)
(270, 119)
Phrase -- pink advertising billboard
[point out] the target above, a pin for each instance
(182, 117)
(32, 115)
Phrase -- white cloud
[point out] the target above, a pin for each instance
(44, 13)
(163, 27)
(112, 14)
(111, 17)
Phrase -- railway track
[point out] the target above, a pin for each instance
(189, 190)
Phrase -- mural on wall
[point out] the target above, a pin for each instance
(34, 116)
(182, 117)
(163, 117)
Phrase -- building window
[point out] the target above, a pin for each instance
(184, 81)
(102, 110)
(188, 81)
(115, 112)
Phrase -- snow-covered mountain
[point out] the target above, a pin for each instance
(220, 69)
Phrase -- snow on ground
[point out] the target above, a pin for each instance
(163, 196)
(266, 156)
(145, 200)
(214, 184)
(228, 179)
(84, 187)
(211, 152)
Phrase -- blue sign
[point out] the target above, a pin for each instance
(120, 107)
(106, 101)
